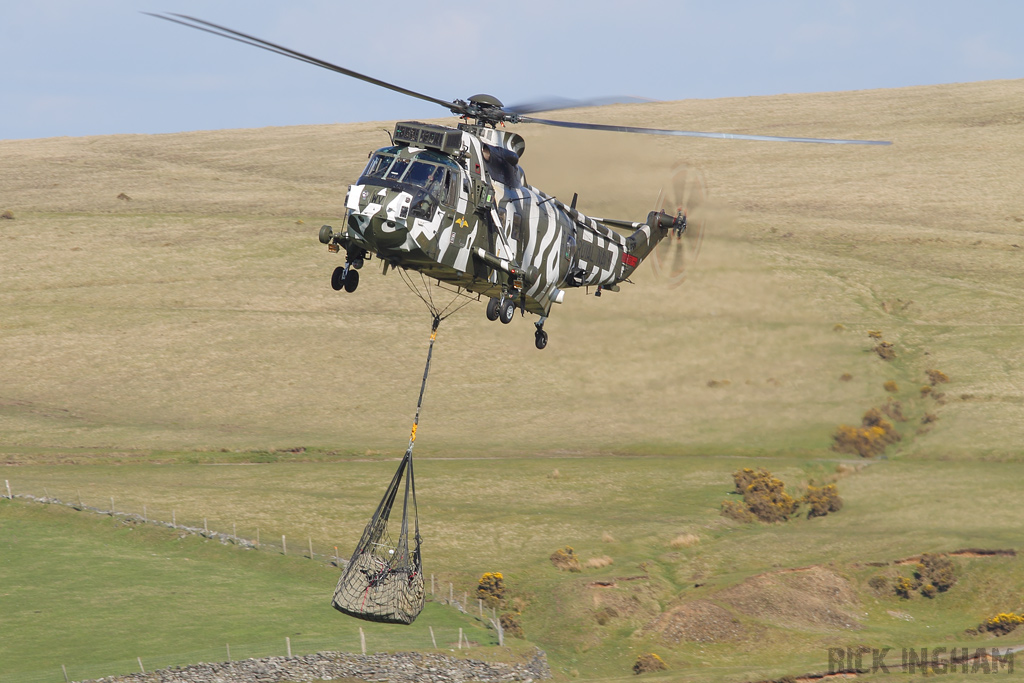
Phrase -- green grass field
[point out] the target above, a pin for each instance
(183, 351)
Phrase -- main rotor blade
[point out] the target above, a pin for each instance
(231, 34)
(694, 134)
(556, 103)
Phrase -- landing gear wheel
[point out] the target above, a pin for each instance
(352, 281)
(506, 309)
(338, 278)
(540, 338)
(492, 308)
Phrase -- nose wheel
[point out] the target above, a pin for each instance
(345, 278)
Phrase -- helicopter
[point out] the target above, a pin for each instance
(453, 204)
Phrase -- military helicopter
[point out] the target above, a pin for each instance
(454, 205)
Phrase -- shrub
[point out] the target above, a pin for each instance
(885, 351)
(764, 497)
(937, 570)
(936, 377)
(845, 377)
(7, 215)
(511, 626)
(605, 615)
(566, 560)
(928, 590)
(925, 390)
(869, 440)
(875, 334)
(491, 589)
(838, 327)
(904, 587)
(891, 387)
(648, 662)
(1001, 624)
(738, 511)
(822, 500)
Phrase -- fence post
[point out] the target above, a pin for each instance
(257, 538)
(111, 505)
(234, 532)
(460, 637)
(80, 498)
(141, 668)
(432, 638)
(311, 547)
(362, 640)
(228, 646)
(65, 670)
(174, 522)
(288, 643)
(144, 520)
(432, 591)
(284, 545)
(465, 600)
(451, 594)
(481, 604)
(8, 483)
(205, 528)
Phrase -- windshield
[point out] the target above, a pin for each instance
(433, 177)
(378, 165)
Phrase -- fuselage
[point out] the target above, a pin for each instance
(454, 204)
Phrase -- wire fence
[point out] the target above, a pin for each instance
(406, 639)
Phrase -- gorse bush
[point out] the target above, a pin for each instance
(764, 497)
(936, 377)
(869, 440)
(648, 662)
(491, 589)
(937, 570)
(904, 587)
(1001, 624)
(566, 560)
(511, 626)
(822, 500)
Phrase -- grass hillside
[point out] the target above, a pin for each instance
(198, 313)
(145, 340)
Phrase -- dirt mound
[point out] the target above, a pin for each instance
(811, 598)
(699, 621)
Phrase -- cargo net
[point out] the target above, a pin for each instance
(384, 579)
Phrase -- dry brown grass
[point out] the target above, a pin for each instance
(598, 562)
(198, 315)
(686, 540)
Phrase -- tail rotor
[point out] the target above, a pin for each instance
(682, 206)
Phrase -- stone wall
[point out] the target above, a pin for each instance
(401, 667)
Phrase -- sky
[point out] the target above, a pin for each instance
(97, 67)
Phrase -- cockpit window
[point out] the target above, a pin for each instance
(422, 174)
(378, 165)
(397, 169)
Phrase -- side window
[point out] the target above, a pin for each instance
(517, 224)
